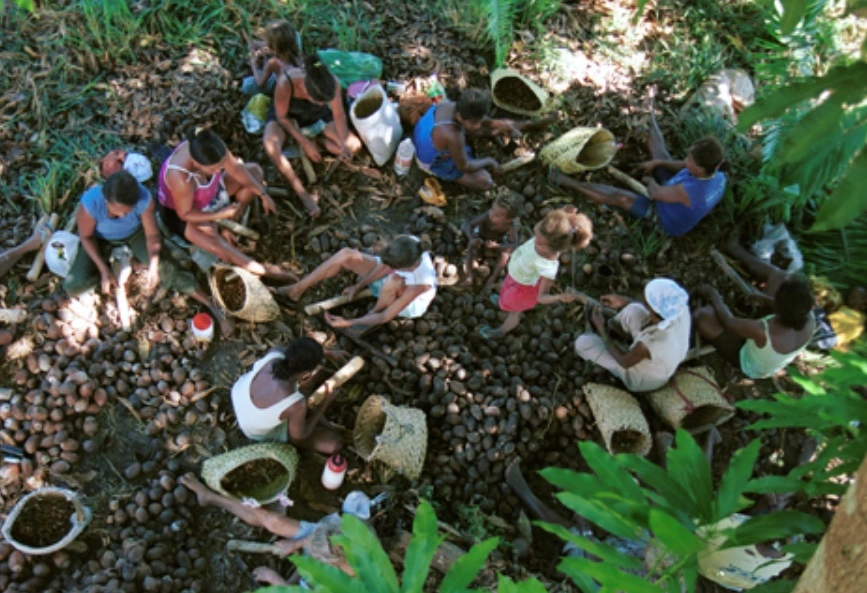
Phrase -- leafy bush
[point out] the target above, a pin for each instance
(671, 511)
(375, 573)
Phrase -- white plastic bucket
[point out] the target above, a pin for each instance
(403, 158)
(377, 122)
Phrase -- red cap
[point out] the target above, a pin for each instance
(202, 321)
(337, 463)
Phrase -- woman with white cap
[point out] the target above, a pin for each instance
(659, 329)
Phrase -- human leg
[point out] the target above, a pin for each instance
(510, 323)
(276, 523)
(760, 270)
(206, 237)
(711, 330)
(515, 479)
(502, 260)
(596, 192)
(83, 274)
(655, 140)
(334, 145)
(632, 318)
(323, 440)
(389, 292)
(592, 348)
(345, 259)
(10, 257)
(273, 141)
(244, 194)
(478, 181)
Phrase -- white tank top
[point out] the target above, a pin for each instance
(260, 424)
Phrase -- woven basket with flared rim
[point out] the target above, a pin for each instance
(259, 304)
(692, 400)
(619, 418)
(215, 469)
(394, 435)
(77, 522)
(503, 100)
(580, 149)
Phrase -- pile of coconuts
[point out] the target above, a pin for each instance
(487, 403)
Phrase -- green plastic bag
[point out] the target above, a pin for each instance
(351, 66)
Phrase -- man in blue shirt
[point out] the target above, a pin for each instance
(681, 192)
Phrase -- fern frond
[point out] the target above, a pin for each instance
(499, 18)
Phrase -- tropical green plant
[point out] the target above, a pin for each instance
(838, 254)
(374, 572)
(671, 511)
(829, 139)
(833, 412)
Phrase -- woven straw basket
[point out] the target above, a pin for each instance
(215, 470)
(259, 305)
(77, 522)
(580, 149)
(503, 100)
(692, 400)
(619, 418)
(394, 435)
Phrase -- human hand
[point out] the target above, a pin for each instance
(707, 291)
(107, 281)
(311, 150)
(492, 244)
(648, 166)
(597, 319)
(494, 166)
(153, 278)
(570, 209)
(615, 301)
(268, 204)
(263, 574)
(351, 291)
(228, 212)
(336, 321)
(338, 355)
(568, 297)
(345, 153)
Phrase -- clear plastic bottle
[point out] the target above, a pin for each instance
(403, 157)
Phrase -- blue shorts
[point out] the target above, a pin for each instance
(642, 207)
(445, 169)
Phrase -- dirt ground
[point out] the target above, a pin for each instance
(181, 414)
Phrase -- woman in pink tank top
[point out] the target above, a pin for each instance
(195, 184)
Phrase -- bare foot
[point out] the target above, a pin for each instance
(276, 273)
(311, 202)
(263, 574)
(292, 292)
(202, 492)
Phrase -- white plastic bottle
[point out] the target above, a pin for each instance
(203, 327)
(334, 472)
(404, 156)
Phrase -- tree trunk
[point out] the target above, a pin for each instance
(840, 562)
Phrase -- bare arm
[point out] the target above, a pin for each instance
(547, 299)
(153, 240)
(261, 75)
(340, 124)
(86, 228)
(375, 317)
(473, 223)
(456, 144)
(625, 358)
(302, 421)
(672, 194)
(182, 193)
(379, 271)
(663, 164)
(749, 329)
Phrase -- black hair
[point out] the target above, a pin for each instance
(121, 188)
(304, 354)
(404, 252)
(794, 302)
(206, 147)
(474, 104)
(282, 40)
(319, 81)
(707, 154)
(508, 202)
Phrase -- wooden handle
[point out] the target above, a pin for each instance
(13, 315)
(586, 299)
(518, 162)
(628, 181)
(39, 260)
(342, 299)
(73, 220)
(305, 161)
(238, 229)
(732, 274)
(343, 374)
(240, 545)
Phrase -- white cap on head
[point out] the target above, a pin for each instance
(667, 298)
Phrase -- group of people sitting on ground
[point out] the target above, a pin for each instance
(641, 343)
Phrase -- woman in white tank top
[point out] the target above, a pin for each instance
(269, 406)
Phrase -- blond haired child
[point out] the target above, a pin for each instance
(533, 266)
